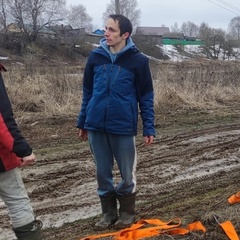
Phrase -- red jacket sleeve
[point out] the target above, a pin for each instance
(10, 135)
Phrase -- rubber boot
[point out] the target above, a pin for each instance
(31, 231)
(109, 211)
(126, 211)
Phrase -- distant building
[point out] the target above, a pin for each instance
(152, 31)
(67, 34)
(13, 27)
(150, 35)
(176, 38)
(99, 32)
(173, 35)
(60, 29)
(42, 30)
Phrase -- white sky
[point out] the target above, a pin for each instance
(156, 13)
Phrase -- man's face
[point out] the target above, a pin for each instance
(112, 34)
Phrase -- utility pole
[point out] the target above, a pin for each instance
(117, 8)
(238, 30)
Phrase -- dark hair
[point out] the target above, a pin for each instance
(123, 22)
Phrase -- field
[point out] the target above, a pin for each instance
(188, 173)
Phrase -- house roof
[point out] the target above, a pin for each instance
(99, 32)
(61, 27)
(152, 30)
(13, 27)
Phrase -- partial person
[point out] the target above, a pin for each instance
(117, 85)
(15, 153)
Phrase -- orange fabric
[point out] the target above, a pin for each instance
(102, 235)
(139, 230)
(136, 231)
(196, 226)
(235, 198)
(229, 230)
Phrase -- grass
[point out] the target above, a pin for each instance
(56, 88)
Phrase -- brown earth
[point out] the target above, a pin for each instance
(188, 173)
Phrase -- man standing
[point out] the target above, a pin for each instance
(117, 82)
(15, 152)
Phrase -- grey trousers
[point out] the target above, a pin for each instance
(14, 195)
(106, 147)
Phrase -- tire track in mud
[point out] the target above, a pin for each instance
(190, 155)
(57, 186)
(62, 186)
(189, 164)
(221, 177)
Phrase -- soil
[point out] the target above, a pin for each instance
(188, 173)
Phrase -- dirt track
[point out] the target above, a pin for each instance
(62, 184)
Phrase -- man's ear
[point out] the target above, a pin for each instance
(125, 35)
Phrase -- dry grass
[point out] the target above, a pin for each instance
(50, 90)
(196, 86)
(56, 89)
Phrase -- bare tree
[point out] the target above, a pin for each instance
(175, 28)
(45, 12)
(18, 10)
(234, 27)
(78, 17)
(32, 15)
(4, 17)
(214, 40)
(3, 14)
(127, 8)
(190, 29)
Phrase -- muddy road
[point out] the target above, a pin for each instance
(187, 173)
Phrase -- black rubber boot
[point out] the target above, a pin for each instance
(109, 211)
(31, 231)
(126, 211)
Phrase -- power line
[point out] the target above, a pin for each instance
(235, 12)
(229, 5)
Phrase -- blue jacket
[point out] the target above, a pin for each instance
(115, 88)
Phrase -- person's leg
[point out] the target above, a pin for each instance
(14, 195)
(103, 157)
(125, 154)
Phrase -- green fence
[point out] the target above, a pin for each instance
(180, 42)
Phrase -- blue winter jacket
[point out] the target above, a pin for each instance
(115, 88)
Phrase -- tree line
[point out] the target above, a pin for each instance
(45, 13)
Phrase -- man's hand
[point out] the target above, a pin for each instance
(148, 140)
(28, 160)
(82, 134)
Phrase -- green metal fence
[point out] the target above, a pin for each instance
(181, 42)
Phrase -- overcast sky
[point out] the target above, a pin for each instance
(156, 13)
